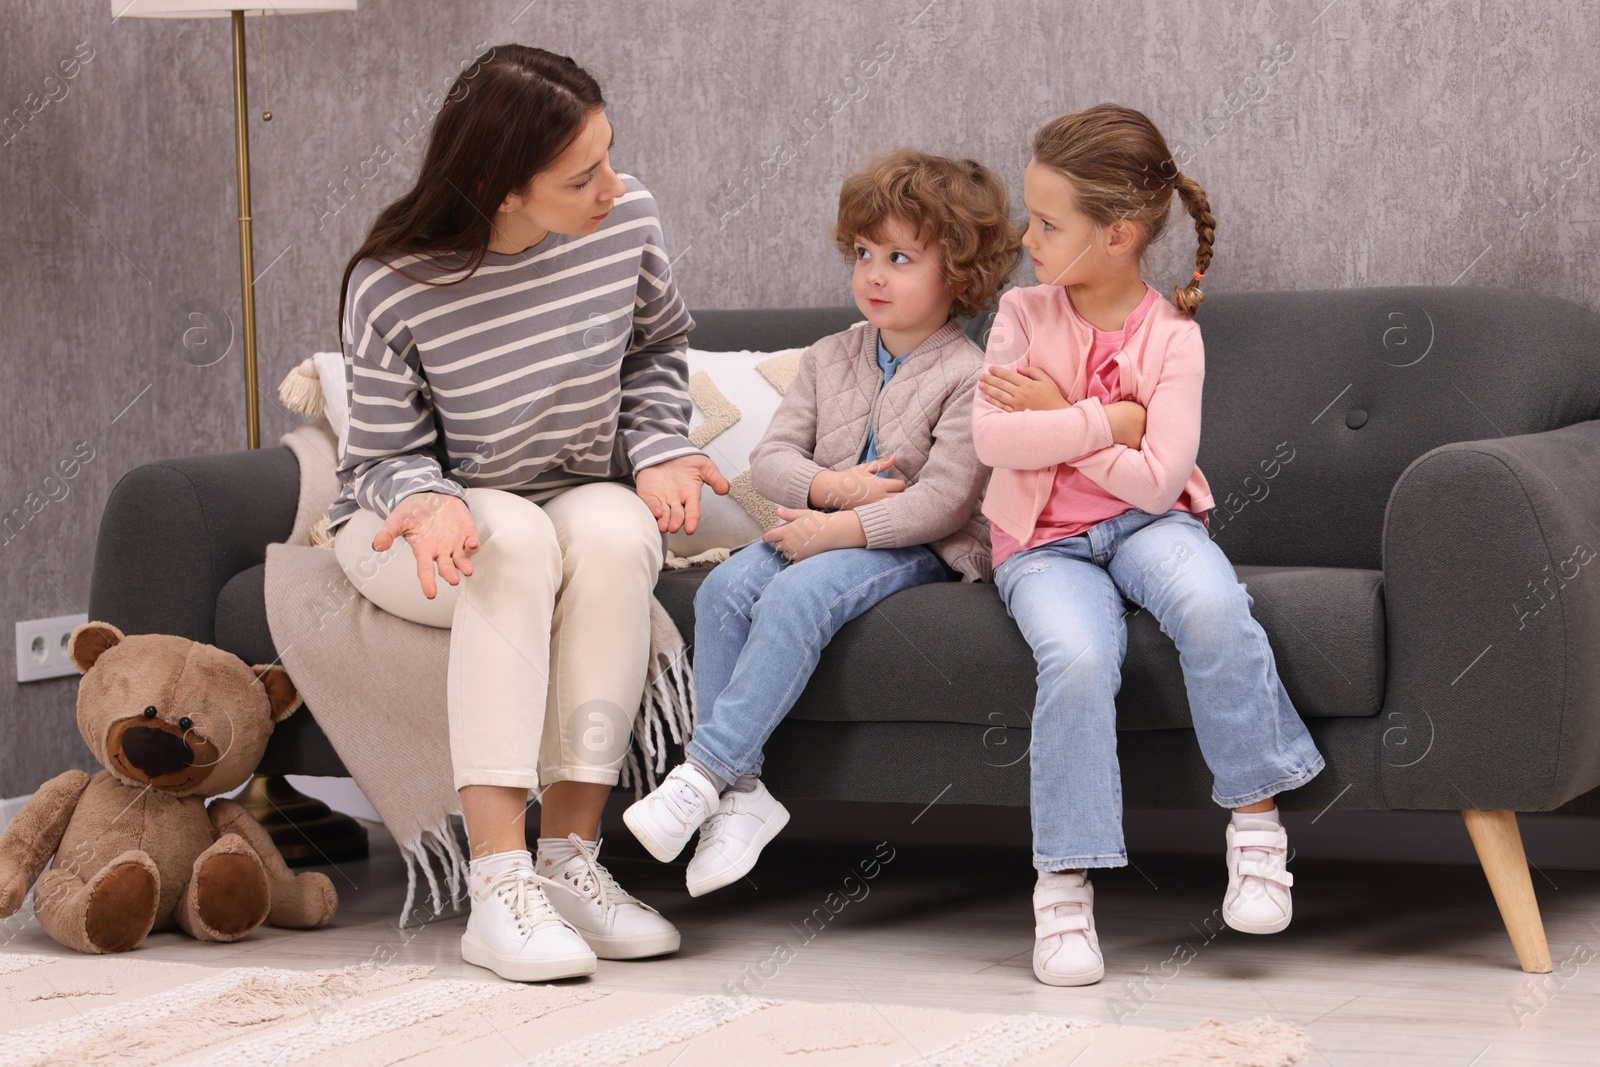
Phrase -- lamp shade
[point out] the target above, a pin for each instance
(203, 9)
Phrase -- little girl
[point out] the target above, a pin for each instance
(871, 462)
(1090, 414)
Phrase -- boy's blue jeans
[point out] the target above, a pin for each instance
(760, 624)
(1067, 597)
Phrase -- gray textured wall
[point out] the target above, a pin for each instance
(1392, 143)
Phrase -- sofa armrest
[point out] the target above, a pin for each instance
(1491, 564)
(175, 531)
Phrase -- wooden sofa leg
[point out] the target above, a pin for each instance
(1499, 844)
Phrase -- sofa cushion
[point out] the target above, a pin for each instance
(949, 653)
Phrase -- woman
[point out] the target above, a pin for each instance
(514, 352)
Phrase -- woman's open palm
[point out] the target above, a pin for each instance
(672, 489)
(440, 531)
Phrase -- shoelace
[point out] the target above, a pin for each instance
(596, 881)
(523, 893)
(680, 799)
(712, 828)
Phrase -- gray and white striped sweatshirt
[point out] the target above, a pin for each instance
(558, 365)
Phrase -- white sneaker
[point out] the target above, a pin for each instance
(731, 840)
(665, 819)
(515, 932)
(1257, 901)
(1066, 949)
(615, 923)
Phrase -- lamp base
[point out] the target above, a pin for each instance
(306, 830)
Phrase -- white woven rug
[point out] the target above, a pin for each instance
(102, 1011)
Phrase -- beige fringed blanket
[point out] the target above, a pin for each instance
(376, 683)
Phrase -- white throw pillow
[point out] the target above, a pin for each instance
(335, 404)
(735, 395)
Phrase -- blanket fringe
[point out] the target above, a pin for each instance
(709, 558)
(321, 536)
(667, 710)
(437, 841)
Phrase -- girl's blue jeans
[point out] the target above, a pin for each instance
(1067, 597)
(760, 625)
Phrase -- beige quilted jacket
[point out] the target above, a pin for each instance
(924, 418)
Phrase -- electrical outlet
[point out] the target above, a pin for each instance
(42, 647)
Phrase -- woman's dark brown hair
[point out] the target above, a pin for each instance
(506, 117)
(1120, 168)
(958, 207)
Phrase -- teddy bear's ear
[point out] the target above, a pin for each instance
(280, 690)
(88, 641)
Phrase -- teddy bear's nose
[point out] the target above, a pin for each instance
(155, 752)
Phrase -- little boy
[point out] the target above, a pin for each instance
(870, 459)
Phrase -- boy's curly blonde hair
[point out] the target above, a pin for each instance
(959, 208)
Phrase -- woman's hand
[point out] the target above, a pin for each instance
(807, 533)
(855, 486)
(439, 529)
(672, 489)
(1127, 423)
(1029, 390)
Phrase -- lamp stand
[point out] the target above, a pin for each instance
(241, 123)
(306, 831)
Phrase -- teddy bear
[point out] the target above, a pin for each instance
(135, 847)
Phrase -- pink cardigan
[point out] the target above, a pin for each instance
(1161, 365)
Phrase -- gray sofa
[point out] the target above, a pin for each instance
(1408, 481)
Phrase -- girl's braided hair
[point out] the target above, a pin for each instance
(1120, 168)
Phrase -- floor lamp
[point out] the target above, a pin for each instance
(305, 830)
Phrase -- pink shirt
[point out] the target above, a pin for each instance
(1077, 503)
(1158, 362)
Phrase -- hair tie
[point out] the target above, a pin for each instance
(1198, 275)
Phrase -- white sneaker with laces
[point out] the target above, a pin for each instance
(1257, 901)
(615, 923)
(665, 819)
(1066, 949)
(515, 932)
(731, 840)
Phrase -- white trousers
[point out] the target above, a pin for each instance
(549, 635)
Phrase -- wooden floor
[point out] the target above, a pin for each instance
(1385, 964)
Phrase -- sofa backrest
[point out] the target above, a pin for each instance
(767, 329)
(1359, 383)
